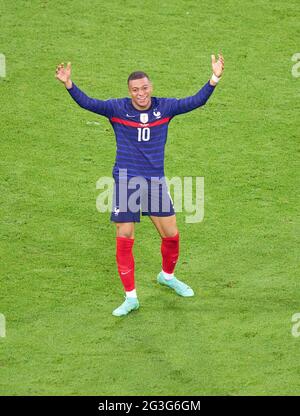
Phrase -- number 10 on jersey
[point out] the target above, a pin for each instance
(143, 134)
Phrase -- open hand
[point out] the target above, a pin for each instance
(217, 65)
(63, 74)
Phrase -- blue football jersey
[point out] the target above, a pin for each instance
(141, 135)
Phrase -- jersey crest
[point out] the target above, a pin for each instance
(144, 118)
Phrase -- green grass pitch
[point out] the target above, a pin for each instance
(59, 281)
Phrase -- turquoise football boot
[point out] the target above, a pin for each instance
(180, 288)
(130, 304)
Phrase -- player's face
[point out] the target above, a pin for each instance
(140, 91)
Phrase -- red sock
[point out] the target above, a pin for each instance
(125, 262)
(170, 253)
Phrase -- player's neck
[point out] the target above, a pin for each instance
(137, 107)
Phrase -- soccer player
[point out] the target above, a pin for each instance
(141, 124)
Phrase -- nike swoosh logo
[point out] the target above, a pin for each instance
(127, 115)
(126, 272)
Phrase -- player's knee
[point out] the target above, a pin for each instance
(125, 230)
(170, 232)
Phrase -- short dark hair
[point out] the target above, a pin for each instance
(137, 75)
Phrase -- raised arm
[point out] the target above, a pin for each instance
(184, 105)
(101, 107)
